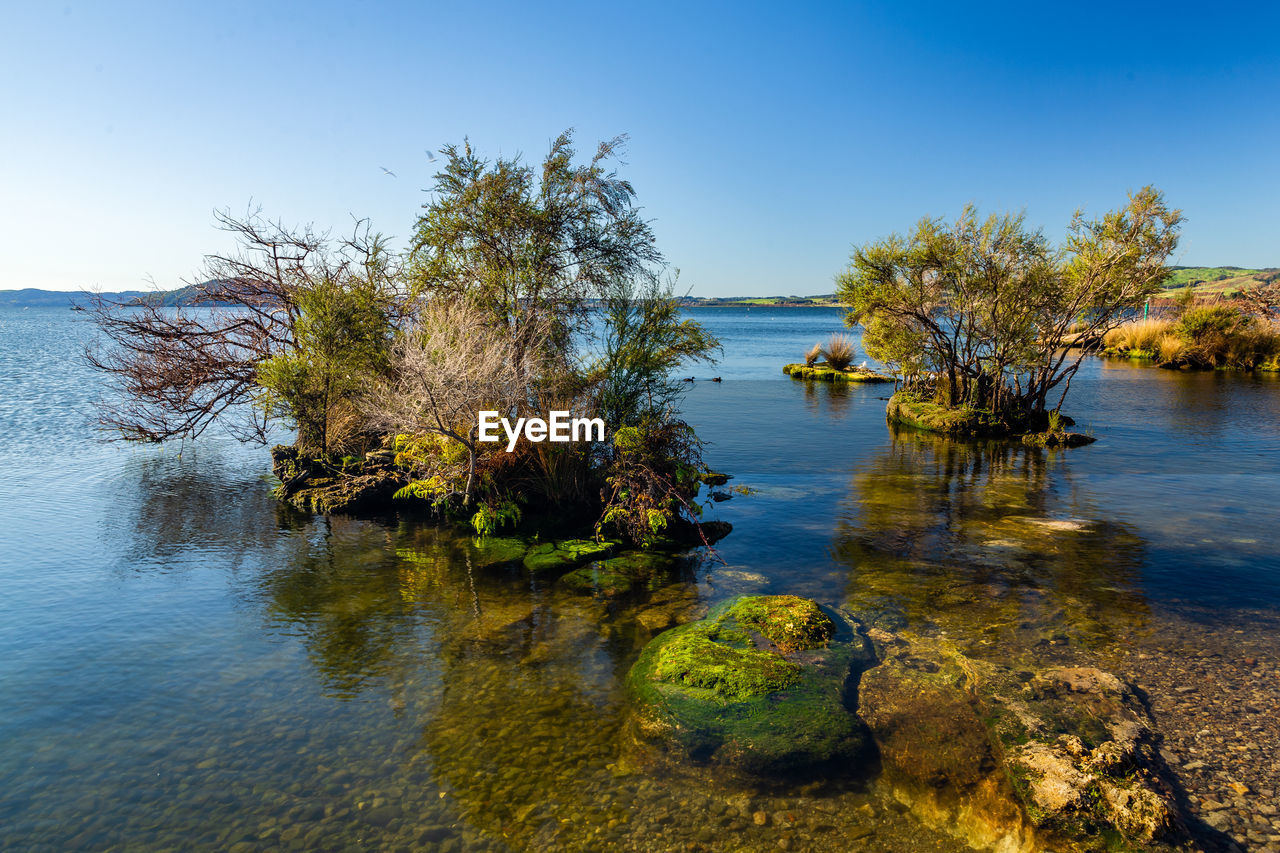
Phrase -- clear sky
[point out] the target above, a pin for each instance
(766, 139)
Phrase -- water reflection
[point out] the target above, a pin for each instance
(169, 505)
(992, 542)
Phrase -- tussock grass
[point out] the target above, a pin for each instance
(839, 351)
(1138, 337)
(1217, 336)
(811, 357)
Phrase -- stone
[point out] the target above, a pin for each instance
(758, 686)
(565, 554)
(1064, 758)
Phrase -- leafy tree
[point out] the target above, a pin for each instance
(976, 312)
(644, 342)
(528, 245)
(175, 371)
(341, 337)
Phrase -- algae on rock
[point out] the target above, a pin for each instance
(1060, 759)
(824, 372)
(721, 691)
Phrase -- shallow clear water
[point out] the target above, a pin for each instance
(185, 664)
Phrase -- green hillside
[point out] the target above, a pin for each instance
(1220, 280)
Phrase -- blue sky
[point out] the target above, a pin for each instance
(766, 139)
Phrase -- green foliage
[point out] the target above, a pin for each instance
(645, 340)
(1200, 326)
(341, 334)
(977, 311)
(432, 490)
(531, 244)
(490, 518)
(652, 479)
(1225, 336)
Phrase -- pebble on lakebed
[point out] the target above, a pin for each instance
(1064, 758)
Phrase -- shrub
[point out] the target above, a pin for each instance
(1213, 335)
(839, 351)
(1205, 336)
(811, 357)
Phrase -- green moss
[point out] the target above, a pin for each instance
(1138, 354)
(492, 551)
(1057, 439)
(823, 372)
(906, 410)
(706, 691)
(711, 657)
(593, 579)
(565, 554)
(789, 622)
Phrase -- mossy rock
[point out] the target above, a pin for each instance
(315, 486)
(905, 410)
(496, 551)
(565, 554)
(823, 372)
(624, 573)
(594, 580)
(722, 691)
(1057, 439)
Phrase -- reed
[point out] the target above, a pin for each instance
(811, 357)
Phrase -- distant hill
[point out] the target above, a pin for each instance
(1208, 281)
(824, 299)
(31, 297)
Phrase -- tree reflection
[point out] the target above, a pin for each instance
(993, 543)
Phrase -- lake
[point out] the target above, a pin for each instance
(187, 664)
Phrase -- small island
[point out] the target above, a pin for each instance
(976, 316)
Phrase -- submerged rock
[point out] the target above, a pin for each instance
(760, 685)
(619, 575)
(566, 554)
(1061, 759)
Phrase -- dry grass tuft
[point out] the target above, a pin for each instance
(1138, 336)
(839, 351)
(811, 357)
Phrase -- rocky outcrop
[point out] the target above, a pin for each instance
(904, 409)
(1059, 759)
(362, 485)
(1006, 759)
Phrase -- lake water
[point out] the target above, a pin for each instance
(186, 664)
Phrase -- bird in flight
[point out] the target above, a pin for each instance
(387, 171)
(430, 156)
